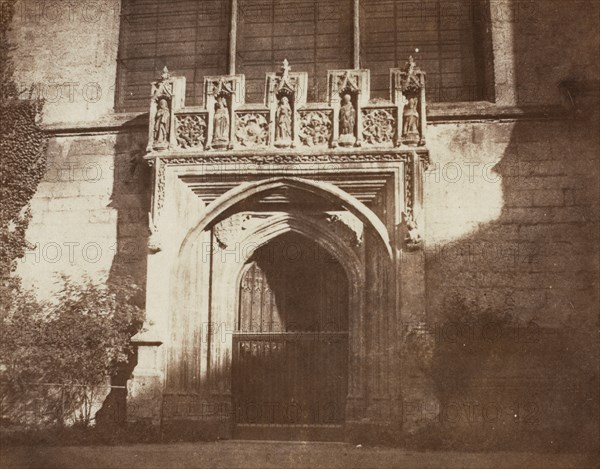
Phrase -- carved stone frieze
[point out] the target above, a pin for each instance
(315, 128)
(190, 130)
(347, 119)
(409, 192)
(154, 243)
(252, 129)
(379, 126)
(283, 159)
(160, 190)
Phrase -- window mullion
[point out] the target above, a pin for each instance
(356, 13)
(233, 36)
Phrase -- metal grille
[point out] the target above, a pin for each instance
(290, 378)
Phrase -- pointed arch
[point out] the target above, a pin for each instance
(313, 230)
(322, 189)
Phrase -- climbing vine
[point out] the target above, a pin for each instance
(22, 155)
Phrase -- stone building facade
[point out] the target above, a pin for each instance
(453, 266)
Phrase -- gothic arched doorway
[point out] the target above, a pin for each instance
(290, 347)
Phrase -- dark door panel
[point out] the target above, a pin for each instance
(290, 349)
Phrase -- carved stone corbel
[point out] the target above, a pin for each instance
(154, 243)
(348, 227)
(410, 229)
(412, 235)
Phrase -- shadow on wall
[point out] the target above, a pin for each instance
(513, 307)
(131, 199)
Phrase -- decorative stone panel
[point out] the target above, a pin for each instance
(285, 120)
(379, 126)
(191, 131)
(316, 128)
(252, 129)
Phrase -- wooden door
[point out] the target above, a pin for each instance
(291, 344)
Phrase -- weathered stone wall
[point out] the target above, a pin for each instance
(66, 52)
(90, 212)
(511, 235)
(512, 281)
(512, 249)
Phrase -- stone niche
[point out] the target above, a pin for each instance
(234, 177)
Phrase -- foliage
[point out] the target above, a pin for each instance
(74, 343)
(22, 155)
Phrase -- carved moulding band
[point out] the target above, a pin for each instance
(293, 158)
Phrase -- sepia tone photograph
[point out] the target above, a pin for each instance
(299, 234)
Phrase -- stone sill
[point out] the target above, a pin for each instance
(110, 124)
(481, 111)
(437, 113)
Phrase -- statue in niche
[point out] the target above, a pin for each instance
(410, 129)
(347, 121)
(283, 120)
(162, 121)
(221, 123)
(347, 116)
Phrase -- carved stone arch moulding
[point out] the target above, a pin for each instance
(226, 272)
(326, 190)
(312, 228)
(342, 170)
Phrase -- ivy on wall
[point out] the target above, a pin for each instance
(22, 155)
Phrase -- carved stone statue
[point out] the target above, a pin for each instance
(221, 124)
(283, 122)
(347, 121)
(162, 121)
(347, 116)
(410, 129)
